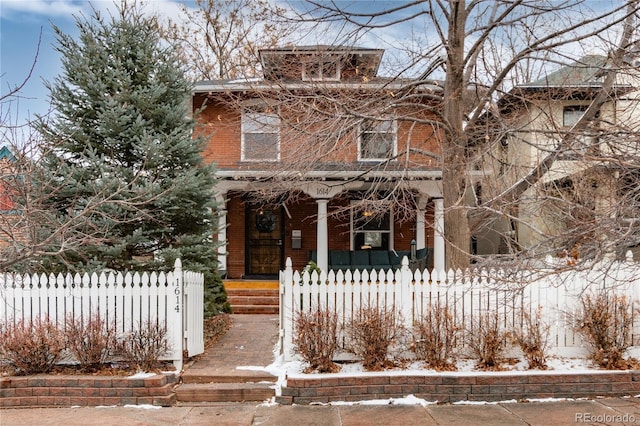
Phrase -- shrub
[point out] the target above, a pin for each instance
(371, 333)
(486, 340)
(533, 339)
(89, 340)
(434, 338)
(143, 347)
(605, 322)
(32, 347)
(316, 339)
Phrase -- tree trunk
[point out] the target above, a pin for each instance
(454, 173)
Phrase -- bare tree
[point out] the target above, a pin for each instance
(481, 50)
(219, 38)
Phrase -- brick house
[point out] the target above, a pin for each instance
(320, 132)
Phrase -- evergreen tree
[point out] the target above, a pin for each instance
(120, 151)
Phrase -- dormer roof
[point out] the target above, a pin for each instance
(320, 62)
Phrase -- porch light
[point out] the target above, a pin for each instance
(413, 249)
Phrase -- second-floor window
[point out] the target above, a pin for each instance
(260, 135)
(377, 141)
(572, 113)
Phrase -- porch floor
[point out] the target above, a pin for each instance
(251, 284)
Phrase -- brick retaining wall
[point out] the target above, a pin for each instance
(445, 387)
(68, 391)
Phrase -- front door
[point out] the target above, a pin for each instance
(264, 245)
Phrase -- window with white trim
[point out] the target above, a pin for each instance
(323, 68)
(370, 230)
(378, 140)
(260, 134)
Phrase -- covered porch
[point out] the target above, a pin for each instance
(254, 240)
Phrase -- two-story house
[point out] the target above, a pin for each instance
(321, 159)
(580, 201)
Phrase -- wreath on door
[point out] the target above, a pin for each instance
(266, 221)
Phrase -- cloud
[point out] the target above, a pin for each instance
(12, 8)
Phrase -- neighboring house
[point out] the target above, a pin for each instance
(584, 181)
(320, 131)
(7, 203)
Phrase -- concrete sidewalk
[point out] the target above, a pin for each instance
(615, 411)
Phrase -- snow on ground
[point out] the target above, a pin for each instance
(465, 367)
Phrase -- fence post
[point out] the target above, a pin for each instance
(176, 320)
(286, 310)
(406, 296)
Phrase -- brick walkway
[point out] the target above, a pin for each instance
(250, 342)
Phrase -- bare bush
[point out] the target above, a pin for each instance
(90, 340)
(605, 322)
(435, 336)
(143, 347)
(32, 347)
(372, 332)
(316, 339)
(533, 339)
(486, 339)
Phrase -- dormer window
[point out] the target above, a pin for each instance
(378, 140)
(260, 133)
(321, 68)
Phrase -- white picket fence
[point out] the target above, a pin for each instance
(468, 293)
(125, 301)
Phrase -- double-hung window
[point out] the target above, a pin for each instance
(260, 134)
(378, 140)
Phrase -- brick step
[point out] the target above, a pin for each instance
(253, 292)
(191, 377)
(253, 300)
(251, 309)
(225, 392)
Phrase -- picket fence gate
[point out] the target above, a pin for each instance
(469, 294)
(125, 301)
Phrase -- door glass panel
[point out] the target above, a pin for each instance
(264, 241)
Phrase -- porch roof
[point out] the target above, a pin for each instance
(329, 174)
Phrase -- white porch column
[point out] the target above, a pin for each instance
(420, 224)
(222, 231)
(322, 235)
(438, 235)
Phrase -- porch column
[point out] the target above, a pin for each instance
(222, 231)
(322, 235)
(420, 224)
(438, 235)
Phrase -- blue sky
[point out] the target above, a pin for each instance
(22, 23)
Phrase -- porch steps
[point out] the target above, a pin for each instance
(253, 297)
